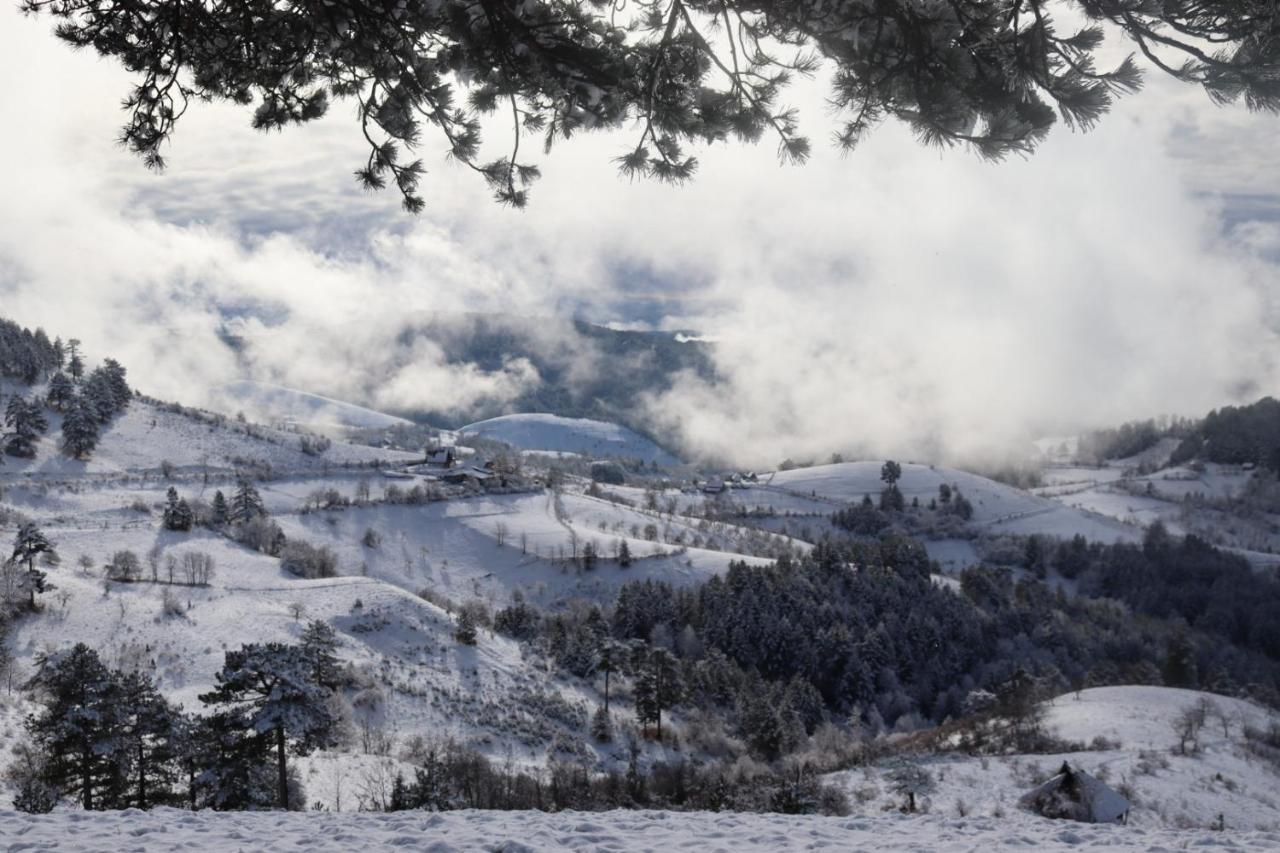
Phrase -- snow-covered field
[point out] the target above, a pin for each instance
(996, 507)
(583, 436)
(1166, 789)
(619, 831)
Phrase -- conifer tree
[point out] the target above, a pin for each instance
(995, 75)
(319, 643)
(270, 685)
(26, 422)
(177, 512)
(658, 687)
(78, 728)
(79, 428)
(61, 391)
(75, 364)
(221, 512)
(246, 503)
(29, 544)
(148, 724)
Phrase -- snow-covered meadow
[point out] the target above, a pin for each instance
(617, 831)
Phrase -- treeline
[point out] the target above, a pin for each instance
(25, 355)
(453, 777)
(1236, 435)
(109, 740)
(86, 402)
(1174, 578)
(860, 631)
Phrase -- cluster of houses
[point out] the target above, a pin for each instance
(446, 464)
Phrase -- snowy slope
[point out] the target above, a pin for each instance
(619, 831)
(599, 439)
(275, 402)
(1166, 789)
(145, 435)
(996, 506)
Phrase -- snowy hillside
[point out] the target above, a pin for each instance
(147, 435)
(273, 402)
(997, 507)
(1140, 757)
(570, 435)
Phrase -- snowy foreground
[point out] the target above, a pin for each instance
(169, 829)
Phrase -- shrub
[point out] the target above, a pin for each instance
(307, 561)
(124, 566)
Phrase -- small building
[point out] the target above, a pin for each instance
(713, 486)
(441, 457)
(1075, 795)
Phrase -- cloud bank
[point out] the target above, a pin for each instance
(899, 300)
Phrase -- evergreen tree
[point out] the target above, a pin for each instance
(658, 687)
(271, 686)
(26, 422)
(79, 428)
(101, 396)
(1179, 668)
(75, 364)
(601, 725)
(147, 739)
(246, 503)
(624, 554)
(992, 75)
(61, 391)
(79, 727)
(114, 380)
(221, 512)
(890, 473)
(611, 658)
(177, 512)
(465, 631)
(29, 544)
(319, 644)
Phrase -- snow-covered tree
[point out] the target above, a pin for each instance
(75, 364)
(992, 74)
(147, 728)
(29, 544)
(658, 687)
(221, 512)
(26, 422)
(177, 512)
(271, 686)
(246, 503)
(79, 428)
(78, 728)
(61, 391)
(319, 643)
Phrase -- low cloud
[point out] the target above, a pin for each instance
(900, 300)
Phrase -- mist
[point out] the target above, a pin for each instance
(897, 301)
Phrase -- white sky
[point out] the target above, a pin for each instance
(897, 299)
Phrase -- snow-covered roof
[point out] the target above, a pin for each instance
(1075, 795)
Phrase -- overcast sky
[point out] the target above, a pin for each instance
(897, 299)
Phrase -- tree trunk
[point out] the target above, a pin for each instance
(86, 781)
(142, 777)
(659, 724)
(284, 776)
(606, 691)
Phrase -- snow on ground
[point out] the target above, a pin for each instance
(454, 546)
(997, 507)
(599, 439)
(146, 435)
(274, 402)
(1166, 789)
(620, 831)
